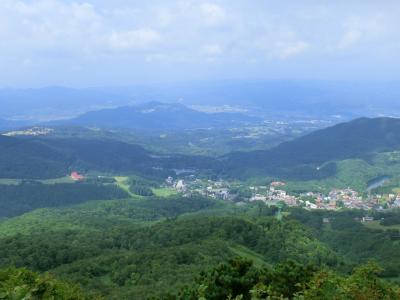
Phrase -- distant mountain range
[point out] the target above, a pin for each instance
(159, 116)
(277, 99)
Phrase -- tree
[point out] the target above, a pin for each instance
(25, 284)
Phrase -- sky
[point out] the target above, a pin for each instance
(120, 42)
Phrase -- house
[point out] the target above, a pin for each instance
(396, 203)
(180, 186)
(76, 176)
(223, 194)
(326, 220)
(277, 183)
(367, 219)
(258, 197)
(169, 180)
(311, 205)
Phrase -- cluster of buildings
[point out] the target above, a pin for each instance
(209, 188)
(338, 198)
(274, 194)
(351, 199)
(393, 201)
(334, 200)
(34, 131)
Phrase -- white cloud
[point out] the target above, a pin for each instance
(156, 58)
(282, 44)
(139, 39)
(212, 14)
(48, 24)
(211, 50)
(190, 33)
(285, 51)
(357, 29)
(349, 39)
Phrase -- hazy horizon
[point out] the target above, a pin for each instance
(127, 43)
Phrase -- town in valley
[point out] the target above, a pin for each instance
(274, 194)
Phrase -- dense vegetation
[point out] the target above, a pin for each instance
(142, 187)
(29, 195)
(392, 219)
(357, 243)
(148, 246)
(359, 144)
(24, 284)
(153, 246)
(308, 157)
(45, 158)
(240, 279)
(30, 159)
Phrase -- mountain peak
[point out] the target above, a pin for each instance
(158, 116)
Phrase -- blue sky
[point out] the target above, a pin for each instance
(120, 42)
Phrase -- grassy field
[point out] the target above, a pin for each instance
(66, 179)
(122, 182)
(164, 192)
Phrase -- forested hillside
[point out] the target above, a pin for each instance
(30, 159)
(140, 248)
(313, 155)
(129, 243)
(42, 158)
(241, 279)
(27, 196)
(24, 284)
(34, 158)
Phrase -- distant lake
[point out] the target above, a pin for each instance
(377, 182)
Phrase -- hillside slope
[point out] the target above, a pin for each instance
(22, 158)
(35, 158)
(312, 156)
(138, 248)
(306, 156)
(115, 247)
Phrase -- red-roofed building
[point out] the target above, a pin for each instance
(76, 176)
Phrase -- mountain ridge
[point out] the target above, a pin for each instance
(312, 156)
(158, 116)
(359, 138)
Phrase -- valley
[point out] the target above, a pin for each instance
(199, 150)
(105, 210)
(368, 174)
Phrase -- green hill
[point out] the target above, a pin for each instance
(134, 249)
(36, 158)
(316, 156)
(312, 156)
